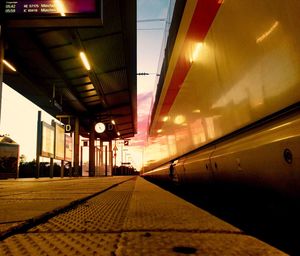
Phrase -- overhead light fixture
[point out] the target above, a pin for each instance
(113, 122)
(180, 119)
(60, 7)
(85, 60)
(7, 64)
(165, 119)
(196, 111)
(118, 133)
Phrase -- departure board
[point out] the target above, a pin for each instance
(50, 7)
(51, 13)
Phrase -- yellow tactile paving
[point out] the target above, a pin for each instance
(60, 244)
(135, 218)
(183, 243)
(103, 213)
(152, 208)
(25, 199)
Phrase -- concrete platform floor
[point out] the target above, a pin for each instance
(111, 216)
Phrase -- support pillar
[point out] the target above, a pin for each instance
(62, 168)
(76, 147)
(51, 167)
(106, 158)
(101, 158)
(111, 164)
(38, 144)
(97, 152)
(92, 153)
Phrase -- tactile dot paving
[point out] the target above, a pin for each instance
(177, 243)
(60, 244)
(103, 213)
(155, 209)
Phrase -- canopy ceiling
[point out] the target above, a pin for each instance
(51, 74)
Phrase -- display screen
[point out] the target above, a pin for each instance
(51, 13)
(40, 8)
(59, 142)
(47, 140)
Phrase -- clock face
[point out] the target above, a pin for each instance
(100, 127)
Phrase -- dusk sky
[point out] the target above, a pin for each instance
(19, 116)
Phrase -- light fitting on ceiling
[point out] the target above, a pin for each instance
(85, 60)
(7, 64)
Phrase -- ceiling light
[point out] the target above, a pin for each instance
(196, 111)
(6, 63)
(118, 133)
(165, 119)
(85, 61)
(180, 119)
(113, 122)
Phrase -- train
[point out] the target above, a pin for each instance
(227, 104)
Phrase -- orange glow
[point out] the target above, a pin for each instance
(196, 51)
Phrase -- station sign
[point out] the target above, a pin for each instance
(52, 13)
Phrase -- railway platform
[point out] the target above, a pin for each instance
(112, 216)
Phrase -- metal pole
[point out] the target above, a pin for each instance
(92, 152)
(76, 147)
(51, 167)
(38, 144)
(62, 168)
(105, 160)
(81, 158)
(96, 160)
(101, 157)
(121, 154)
(111, 157)
(115, 156)
(52, 158)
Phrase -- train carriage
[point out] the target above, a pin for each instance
(227, 103)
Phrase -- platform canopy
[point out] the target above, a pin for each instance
(50, 72)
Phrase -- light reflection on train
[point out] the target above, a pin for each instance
(227, 105)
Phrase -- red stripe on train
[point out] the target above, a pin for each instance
(204, 14)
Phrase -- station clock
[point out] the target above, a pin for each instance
(100, 127)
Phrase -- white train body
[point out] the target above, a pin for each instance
(228, 105)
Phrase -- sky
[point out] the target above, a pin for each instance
(19, 115)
